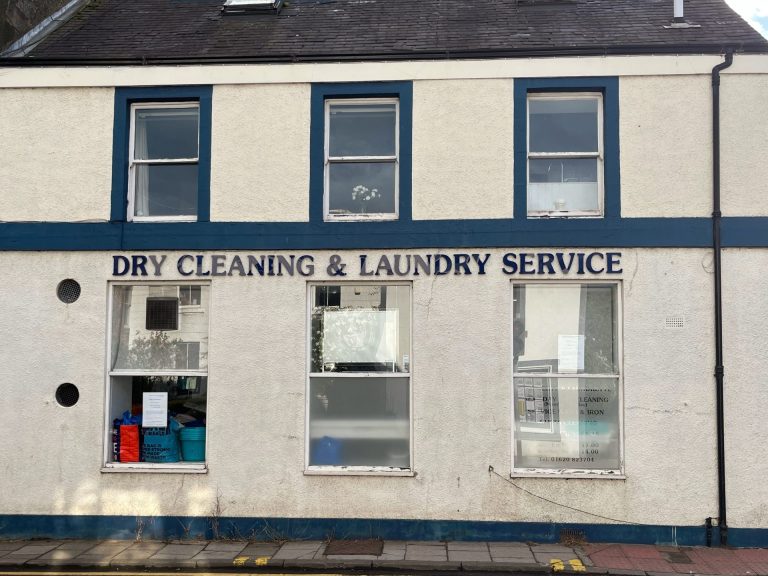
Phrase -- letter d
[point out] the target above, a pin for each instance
(120, 265)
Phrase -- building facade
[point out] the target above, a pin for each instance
(427, 297)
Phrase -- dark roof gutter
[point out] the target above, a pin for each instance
(618, 50)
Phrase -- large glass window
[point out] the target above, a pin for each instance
(361, 159)
(566, 378)
(565, 154)
(359, 380)
(158, 374)
(164, 157)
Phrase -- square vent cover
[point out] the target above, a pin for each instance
(674, 322)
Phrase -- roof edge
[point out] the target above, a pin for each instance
(621, 50)
(31, 39)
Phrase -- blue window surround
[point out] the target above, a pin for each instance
(322, 92)
(608, 86)
(124, 97)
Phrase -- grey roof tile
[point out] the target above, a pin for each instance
(378, 29)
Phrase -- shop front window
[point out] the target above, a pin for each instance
(158, 376)
(359, 416)
(567, 379)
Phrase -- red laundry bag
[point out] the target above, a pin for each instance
(129, 443)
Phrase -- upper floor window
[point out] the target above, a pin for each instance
(162, 154)
(567, 148)
(361, 159)
(164, 157)
(361, 152)
(565, 154)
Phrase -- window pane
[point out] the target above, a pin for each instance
(563, 185)
(565, 328)
(165, 190)
(566, 423)
(563, 125)
(359, 422)
(165, 133)
(187, 408)
(137, 347)
(360, 328)
(362, 129)
(362, 188)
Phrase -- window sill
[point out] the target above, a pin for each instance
(361, 218)
(357, 471)
(550, 215)
(569, 474)
(149, 468)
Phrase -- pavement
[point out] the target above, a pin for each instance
(394, 556)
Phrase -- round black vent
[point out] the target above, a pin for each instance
(67, 395)
(68, 291)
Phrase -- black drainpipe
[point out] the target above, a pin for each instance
(722, 522)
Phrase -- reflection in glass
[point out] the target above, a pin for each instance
(559, 125)
(363, 130)
(563, 423)
(360, 328)
(565, 328)
(166, 133)
(135, 347)
(165, 190)
(362, 188)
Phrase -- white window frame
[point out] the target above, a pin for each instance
(599, 155)
(151, 467)
(357, 470)
(133, 162)
(328, 160)
(615, 474)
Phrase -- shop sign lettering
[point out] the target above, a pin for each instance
(369, 266)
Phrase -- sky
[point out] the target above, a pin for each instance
(753, 11)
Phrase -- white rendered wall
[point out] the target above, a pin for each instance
(745, 336)
(461, 402)
(260, 153)
(666, 146)
(57, 149)
(56, 154)
(744, 145)
(462, 149)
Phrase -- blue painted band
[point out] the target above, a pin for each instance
(172, 527)
(586, 233)
(607, 86)
(320, 93)
(124, 97)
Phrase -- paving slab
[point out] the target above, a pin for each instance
(553, 548)
(260, 549)
(10, 546)
(469, 546)
(523, 559)
(216, 555)
(547, 557)
(505, 544)
(17, 560)
(166, 562)
(469, 555)
(61, 554)
(425, 553)
(179, 551)
(235, 547)
(34, 549)
(342, 557)
(298, 551)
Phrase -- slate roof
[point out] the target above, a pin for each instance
(316, 30)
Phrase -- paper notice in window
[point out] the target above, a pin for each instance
(570, 353)
(155, 413)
